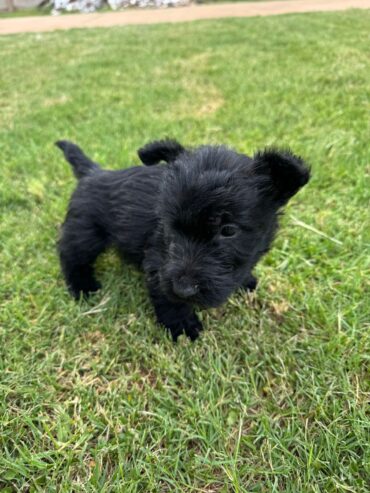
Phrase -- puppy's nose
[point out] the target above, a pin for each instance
(183, 288)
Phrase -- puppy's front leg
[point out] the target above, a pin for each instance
(250, 282)
(176, 317)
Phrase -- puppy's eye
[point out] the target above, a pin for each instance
(228, 231)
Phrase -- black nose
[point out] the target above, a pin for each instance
(184, 288)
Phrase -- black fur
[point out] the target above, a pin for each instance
(81, 164)
(197, 225)
(160, 150)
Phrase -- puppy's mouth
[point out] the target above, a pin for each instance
(201, 293)
(197, 302)
(201, 299)
(177, 299)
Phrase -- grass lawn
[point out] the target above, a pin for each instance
(274, 397)
(32, 12)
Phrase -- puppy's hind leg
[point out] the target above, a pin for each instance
(79, 246)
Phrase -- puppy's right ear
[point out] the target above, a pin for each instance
(286, 172)
(160, 150)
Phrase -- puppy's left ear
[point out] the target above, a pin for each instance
(160, 150)
(285, 171)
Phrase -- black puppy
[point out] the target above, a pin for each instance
(197, 225)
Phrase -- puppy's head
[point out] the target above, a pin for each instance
(217, 209)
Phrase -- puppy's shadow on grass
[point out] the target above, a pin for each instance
(126, 301)
(123, 306)
(123, 301)
(122, 283)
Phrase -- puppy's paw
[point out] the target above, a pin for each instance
(250, 283)
(84, 289)
(191, 326)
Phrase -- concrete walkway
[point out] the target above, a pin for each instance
(180, 14)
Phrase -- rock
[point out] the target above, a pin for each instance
(87, 6)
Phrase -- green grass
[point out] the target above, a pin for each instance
(32, 12)
(274, 397)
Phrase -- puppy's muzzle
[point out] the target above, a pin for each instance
(184, 288)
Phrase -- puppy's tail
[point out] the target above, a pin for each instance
(160, 150)
(81, 164)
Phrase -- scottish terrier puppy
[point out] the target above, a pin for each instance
(197, 225)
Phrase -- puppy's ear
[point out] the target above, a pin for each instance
(160, 150)
(286, 172)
